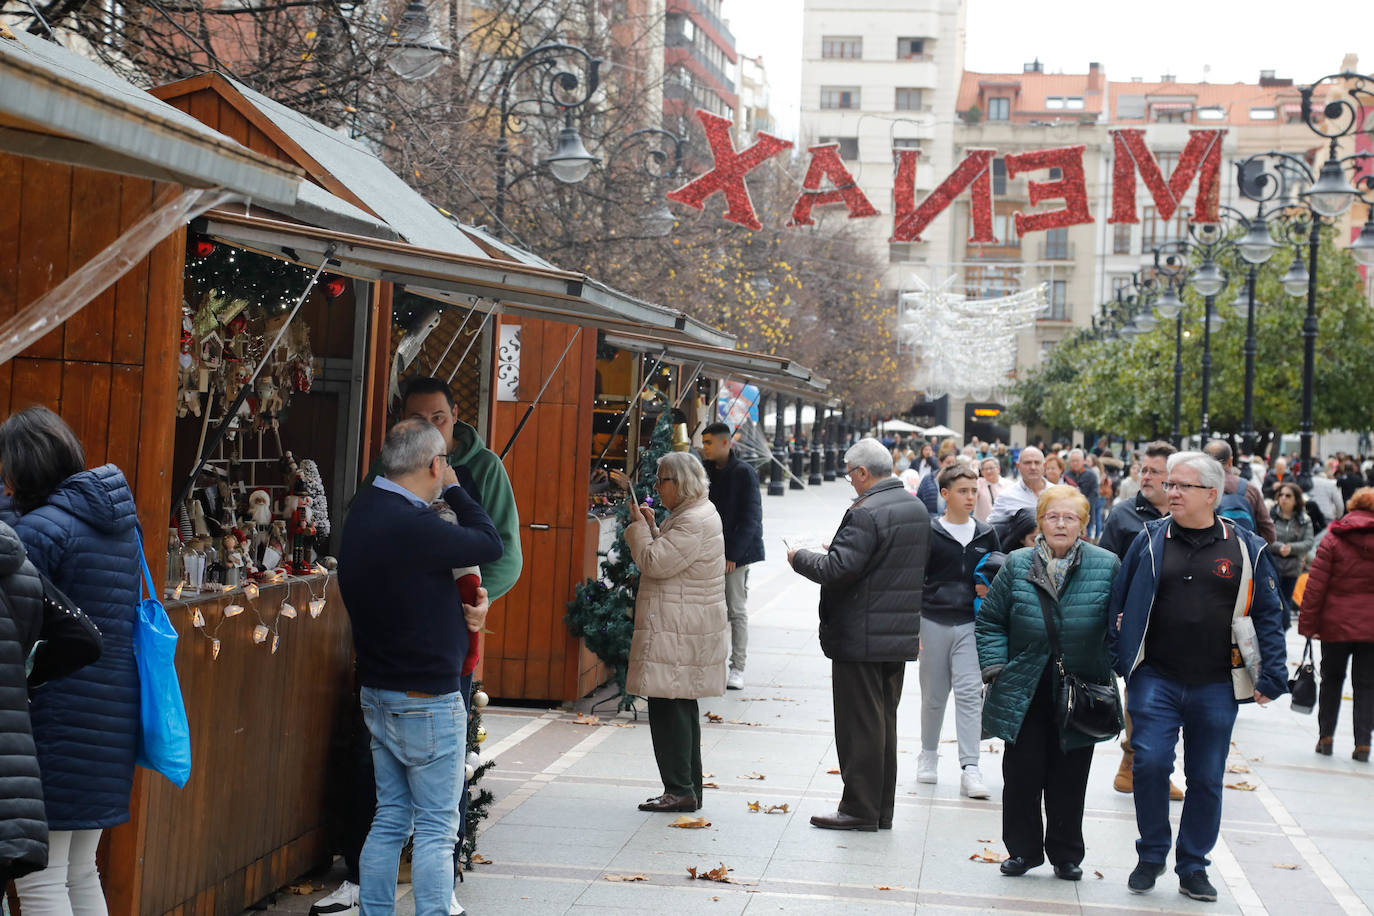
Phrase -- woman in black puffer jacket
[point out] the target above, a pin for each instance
(79, 529)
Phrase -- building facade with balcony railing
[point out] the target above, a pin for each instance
(699, 57)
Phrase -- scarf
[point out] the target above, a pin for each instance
(1057, 567)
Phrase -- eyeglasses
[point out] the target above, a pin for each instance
(1151, 471)
(1170, 486)
(1056, 518)
(663, 480)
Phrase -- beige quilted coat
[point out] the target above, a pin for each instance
(681, 634)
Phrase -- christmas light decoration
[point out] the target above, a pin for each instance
(973, 173)
(1072, 188)
(1201, 157)
(728, 171)
(826, 163)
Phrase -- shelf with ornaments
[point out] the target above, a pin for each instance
(265, 387)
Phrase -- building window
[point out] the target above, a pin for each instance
(999, 109)
(1074, 103)
(1004, 227)
(1155, 232)
(990, 281)
(1166, 161)
(1054, 102)
(1057, 244)
(839, 96)
(999, 175)
(842, 48)
(911, 48)
(1171, 115)
(908, 99)
(1211, 114)
(1059, 308)
(1263, 114)
(849, 146)
(1121, 285)
(905, 143)
(1121, 238)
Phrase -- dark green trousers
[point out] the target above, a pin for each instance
(675, 728)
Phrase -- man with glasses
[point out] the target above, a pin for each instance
(871, 579)
(1181, 583)
(1124, 522)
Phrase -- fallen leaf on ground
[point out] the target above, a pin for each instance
(624, 725)
(987, 855)
(754, 806)
(784, 699)
(833, 772)
(739, 722)
(626, 877)
(754, 776)
(690, 822)
(883, 887)
(1241, 786)
(994, 749)
(1099, 874)
(987, 841)
(586, 720)
(1288, 865)
(304, 888)
(479, 859)
(720, 873)
(776, 809)
(1256, 759)
(708, 775)
(1237, 768)
(714, 717)
(709, 785)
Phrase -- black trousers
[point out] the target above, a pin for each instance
(675, 728)
(1034, 768)
(1335, 657)
(866, 695)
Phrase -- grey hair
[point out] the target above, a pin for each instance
(410, 445)
(1076, 451)
(686, 471)
(869, 453)
(1210, 473)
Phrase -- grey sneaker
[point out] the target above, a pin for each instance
(734, 680)
(1195, 885)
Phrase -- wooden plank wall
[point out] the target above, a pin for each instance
(249, 820)
(529, 653)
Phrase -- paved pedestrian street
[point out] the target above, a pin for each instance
(565, 836)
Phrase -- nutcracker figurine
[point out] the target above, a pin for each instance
(300, 526)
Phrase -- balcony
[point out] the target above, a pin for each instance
(705, 13)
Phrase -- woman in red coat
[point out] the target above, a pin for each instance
(1338, 609)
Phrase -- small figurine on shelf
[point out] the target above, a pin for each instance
(233, 559)
(276, 547)
(301, 528)
(260, 514)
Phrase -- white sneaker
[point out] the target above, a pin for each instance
(971, 784)
(926, 770)
(454, 907)
(734, 680)
(343, 902)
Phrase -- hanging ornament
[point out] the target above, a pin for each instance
(214, 649)
(232, 610)
(197, 618)
(316, 607)
(469, 771)
(474, 759)
(276, 641)
(480, 699)
(335, 287)
(481, 733)
(287, 611)
(202, 248)
(260, 633)
(250, 591)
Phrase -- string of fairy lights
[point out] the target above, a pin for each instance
(262, 633)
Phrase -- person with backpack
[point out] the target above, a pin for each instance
(1240, 502)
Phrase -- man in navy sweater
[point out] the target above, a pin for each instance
(410, 633)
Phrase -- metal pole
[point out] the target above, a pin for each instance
(775, 481)
(1309, 354)
(798, 455)
(1247, 423)
(1205, 432)
(1178, 379)
(828, 471)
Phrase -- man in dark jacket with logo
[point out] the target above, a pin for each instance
(735, 494)
(949, 648)
(1183, 583)
(871, 578)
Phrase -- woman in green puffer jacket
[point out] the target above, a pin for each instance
(1042, 760)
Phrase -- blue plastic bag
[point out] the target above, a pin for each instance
(164, 738)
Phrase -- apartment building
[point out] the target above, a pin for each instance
(754, 112)
(699, 59)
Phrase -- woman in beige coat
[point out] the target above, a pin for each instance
(679, 647)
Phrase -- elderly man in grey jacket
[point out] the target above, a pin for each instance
(871, 579)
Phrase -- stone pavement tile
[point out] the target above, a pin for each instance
(827, 902)
(647, 899)
(891, 871)
(541, 810)
(757, 838)
(519, 895)
(1282, 889)
(508, 849)
(672, 864)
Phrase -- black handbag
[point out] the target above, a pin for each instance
(1302, 686)
(1081, 705)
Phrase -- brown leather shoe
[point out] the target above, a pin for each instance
(666, 802)
(1124, 781)
(841, 821)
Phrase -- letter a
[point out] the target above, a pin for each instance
(972, 173)
(728, 171)
(826, 163)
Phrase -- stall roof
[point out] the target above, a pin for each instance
(773, 372)
(522, 289)
(345, 166)
(60, 106)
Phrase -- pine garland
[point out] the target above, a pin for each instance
(479, 802)
(602, 614)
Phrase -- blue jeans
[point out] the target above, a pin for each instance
(1159, 707)
(418, 747)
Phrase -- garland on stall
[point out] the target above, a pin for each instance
(479, 797)
(231, 272)
(602, 614)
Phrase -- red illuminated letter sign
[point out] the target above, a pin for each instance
(1070, 188)
(1202, 156)
(972, 173)
(728, 171)
(826, 163)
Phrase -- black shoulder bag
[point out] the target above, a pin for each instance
(1093, 709)
(1302, 686)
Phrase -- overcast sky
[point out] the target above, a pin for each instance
(1191, 39)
